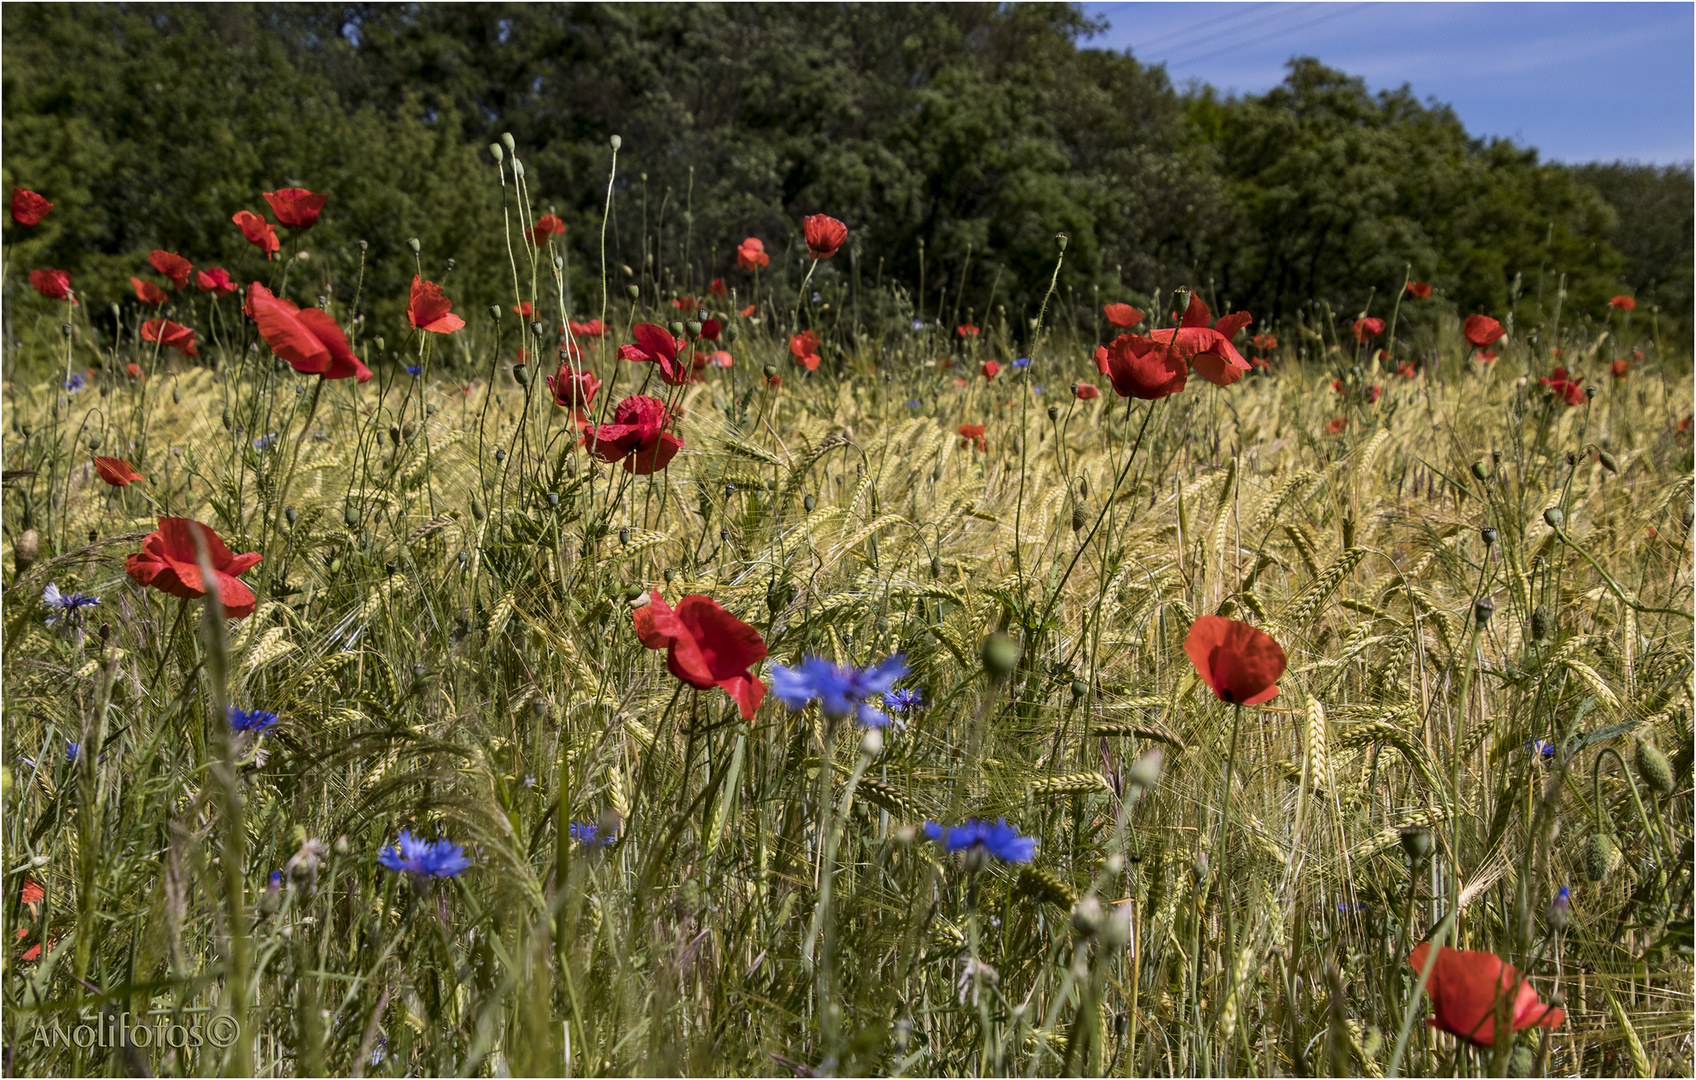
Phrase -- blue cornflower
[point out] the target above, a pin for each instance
(71, 752)
(415, 369)
(998, 839)
(265, 442)
(424, 858)
(75, 383)
(257, 721)
(1560, 912)
(1543, 747)
(589, 834)
(1022, 362)
(918, 324)
(904, 701)
(841, 691)
(60, 605)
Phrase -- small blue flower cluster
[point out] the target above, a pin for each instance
(843, 692)
(257, 721)
(997, 838)
(424, 858)
(63, 605)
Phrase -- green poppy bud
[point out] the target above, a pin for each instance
(617, 143)
(1080, 517)
(633, 291)
(1598, 856)
(1416, 842)
(1523, 1062)
(378, 341)
(670, 575)
(1054, 412)
(507, 141)
(693, 328)
(624, 536)
(1481, 470)
(810, 503)
(770, 370)
(730, 333)
(520, 375)
(350, 515)
(1653, 767)
(632, 592)
(676, 329)
(1608, 462)
(1080, 689)
(1542, 620)
(495, 312)
(477, 510)
(1488, 535)
(412, 242)
(229, 418)
(94, 440)
(1482, 609)
(1000, 656)
(518, 168)
(290, 514)
(497, 153)
(1555, 516)
(553, 499)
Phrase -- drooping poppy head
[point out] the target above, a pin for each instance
(173, 266)
(296, 207)
(1367, 329)
(1336, 426)
(147, 292)
(968, 331)
(1624, 303)
(307, 338)
(573, 389)
(1124, 316)
(1238, 662)
(655, 345)
(53, 284)
(824, 235)
(636, 436)
(117, 471)
(547, 225)
(1620, 369)
(1419, 290)
(28, 208)
(804, 347)
(169, 561)
(972, 435)
(706, 646)
(216, 280)
(751, 254)
(990, 370)
(1085, 391)
(428, 309)
(718, 288)
(166, 332)
(1481, 330)
(1141, 368)
(1207, 348)
(258, 231)
(1465, 987)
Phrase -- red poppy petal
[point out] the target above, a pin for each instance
(730, 645)
(656, 623)
(1230, 325)
(746, 691)
(1196, 314)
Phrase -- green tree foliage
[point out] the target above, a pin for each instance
(1654, 230)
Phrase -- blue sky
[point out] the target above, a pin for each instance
(1579, 81)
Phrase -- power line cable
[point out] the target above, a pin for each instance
(1336, 11)
(1166, 40)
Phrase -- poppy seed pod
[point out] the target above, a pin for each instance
(1060, 238)
(624, 536)
(693, 328)
(1000, 656)
(500, 456)
(378, 342)
(1080, 689)
(1598, 856)
(633, 291)
(94, 440)
(26, 549)
(496, 152)
(412, 242)
(477, 510)
(1482, 609)
(507, 141)
(676, 329)
(631, 592)
(617, 143)
(290, 514)
(810, 502)
(518, 168)
(1609, 462)
(1555, 517)
(553, 499)
(1481, 470)
(537, 328)
(1541, 617)
(363, 245)
(770, 370)
(1416, 842)
(350, 514)
(1054, 412)
(1592, 391)
(1488, 535)
(1653, 767)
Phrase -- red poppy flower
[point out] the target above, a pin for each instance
(592, 328)
(1264, 342)
(1140, 368)
(990, 370)
(1481, 330)
(1488, 356)
(296, 207)
(710, 329)
(1419, 290)
(1619, 369)
(1085, 391)
(134, 372)
(1124, 316)
(169, 561)
(1407, 370)
(525, 309)
(824, 235)
(1684, 425)
(1624, 303)
(173, 266)
(547, 225)
(258, 231)
(1335, 427)
(1373, 393)
(28, 208)
(1367, 329)
(573, 389)
(1239, 663)
(805, 348)
(215, 280)
(1260, 362)
(307, 338)
(636, 436)
(1337, 385)
(31, 953)
(749, 310)
(116, 471)
(774, 380)
(428, 309)
(1207, 348)
(718, 289)
(654, 344)
(720, 358)
(166, 332)
(1465, 986)
(686, 304)
(32, 892)
(751, 254)
(968, 330)
(972, 435)
(53, 284)
(705, 646)
(1564, 387)
(147, 292)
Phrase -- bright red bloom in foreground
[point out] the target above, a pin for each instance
(307, 338)
(173, 266)
(1085, 391)
(1238, 662)
(215, 280)
(804, 347)
(972, 435)
(636, 436)
(547, 225)
(654, 344)
(1620, 369)
(166, 332)
(824, 235)
(116, 471)
(1140, 368)
(968, 330)
(1465, 986)
(718, 288)
(1624, 303)
(1124, 316)
(990, 370)
(1419, 290)
(258, 231)
(751, 254)
(53, 284)
(1481, 330)
(1367, 329)
(170, 562)
(1207, 348)
(1564, 387)
(428, 309)
(296, 207)
(28, 208)
(592, 328)
(705, 646)
(573, 389)
(147, 292)
(1335, 427)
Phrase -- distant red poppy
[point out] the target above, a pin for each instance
(53, 284)
(636, 436)
(547, 225)
(428, 309)
(972, 435)
(1488, 356)
(28, 208)
(307, 338)
(1085, 391)
(774, 380)
(1264, 342)
(169, 561)
(1419, 290)
(748, 311)
(1207, 348)
(592, 328)
(1465, 986)
(1124, 316)
(573, 389)
(258, 231)
(147, 292)
(1684, 425)
(525, 309)
(133, 370)
(990, 370)
(1481, 330)
(1564, 386)
(686, 304)
(1373, 393)
(1238, 662)
(1624, 303)
(117, 471)
(968, 331)
(1367, 329)
(1337, 385)
(705, 646)
(32, 892)
(166, 332)
(1407, 370)
(654, 344)
(720, 359)
(215, 280)
(1335, 427)
(751, 254)
(1141, 368)
(173, 266)
(1619, 369)
(296, 207)
(805, 348)
(824, 235)
(718, 288)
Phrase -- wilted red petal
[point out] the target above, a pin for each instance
(258, 231)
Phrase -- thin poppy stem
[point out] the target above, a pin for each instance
(1225, 853)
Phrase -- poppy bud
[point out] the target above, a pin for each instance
(518, 168)
(451, 264)
(617, 143)
(1608, 462)
(229, 418)
(809, 502)
(176, 396)
(1592, 391)
(730, 333)
(1080, 517)
(413, 243)
(341, 847)
(350, 514)
(537, 328)
(693, 327)
(624, 536)
(1555, 516)
(290, 514)
(724, 537)
(1488, 535)
(935, 567)
(1416, 842)
(872, 744)
(632, 592)
(500, 456)
(1145, 771)
(1598, 856)
(506, 141)
(1653, 767)
(1054, 412)
(770, 370)
(497, 153)
(378, 341)
(1079, 689)
(1480, 470)
(1000, 655)
(559, 262)
(26, 549)
(670, 574)
(1060, 238)
(94, 440)
(1540, 619)
(520, 375)
(1483, 609)
(477, 510)
(362, 245)
(676, 329)
(553, 499)
(633, 291)
(1199, 869)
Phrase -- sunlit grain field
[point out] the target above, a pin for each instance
(1477, 585)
